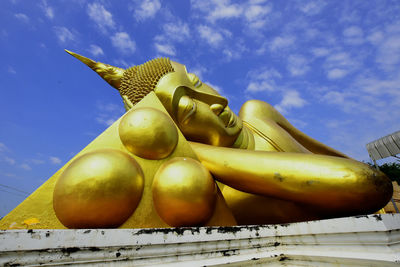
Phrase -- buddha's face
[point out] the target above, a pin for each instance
(199, 111)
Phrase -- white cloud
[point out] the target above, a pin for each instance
(352, 31)
(387, 42)
(312, 7)
(340, 64)
(177, 31)
(256, 15)
(22, 17)
(227, 11)
(253, 13)
(334, 74)
(291, 99)
(388, 55)
(210, 35)
(3, 33)
(336, 97)
(37, 161)
(165, 49)
(281, 42)
(234, 50)
(63, 34)
(105, 120)
(299, 124)
(55, 160)
(350, 13)
(109, 107)
(9, 174)
(123, 41)
(373, 96)
(108, 113)
(389, 87)
(260, 86)
(11, 70)
(372, 111)
(3, 147)
(123, 63)
(172, 32)
(215, 87)
(147, 9)
(25, 167)
(230, 54)
(266, 74)
(95, 50)
(223, 10)
(320, 51)
(101, 16)
(340, 59)
(48, 10)
(353, 35)
(312, 33)
(375, 37)
(297, 65)
(263, 80)
(9, 160)
(337, 124)
(198, 70)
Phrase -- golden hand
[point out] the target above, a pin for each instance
(127, 103)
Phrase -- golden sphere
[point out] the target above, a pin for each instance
(184, 192)
(99, 189)
(148, 133)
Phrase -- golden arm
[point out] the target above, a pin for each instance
(333, 184)
(264, 111)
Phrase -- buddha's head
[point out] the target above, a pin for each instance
(199, 111)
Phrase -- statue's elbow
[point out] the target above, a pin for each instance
(378, 189)
(384, 187)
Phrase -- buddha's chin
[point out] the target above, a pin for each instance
(222, 141)
(227, 140)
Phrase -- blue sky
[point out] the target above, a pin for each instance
(331, 67)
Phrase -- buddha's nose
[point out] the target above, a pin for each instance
(217, 108)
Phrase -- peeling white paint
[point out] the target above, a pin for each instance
(372, 240)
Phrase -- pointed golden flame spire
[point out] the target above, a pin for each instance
(110, 74)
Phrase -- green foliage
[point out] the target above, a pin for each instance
(392, 170)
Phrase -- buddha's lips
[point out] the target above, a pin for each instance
(229, 120)
(232, 120)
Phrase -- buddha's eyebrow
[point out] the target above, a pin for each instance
(206, 97)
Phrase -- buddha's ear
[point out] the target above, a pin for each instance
(110, 74)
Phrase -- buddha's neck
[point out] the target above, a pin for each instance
(245, 139)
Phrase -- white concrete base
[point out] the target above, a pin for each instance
(372, 240)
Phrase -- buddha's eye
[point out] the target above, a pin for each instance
(194, 79)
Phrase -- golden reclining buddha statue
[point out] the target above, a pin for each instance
(268, 171)
(180, 157)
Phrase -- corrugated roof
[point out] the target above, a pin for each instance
(384, 147)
